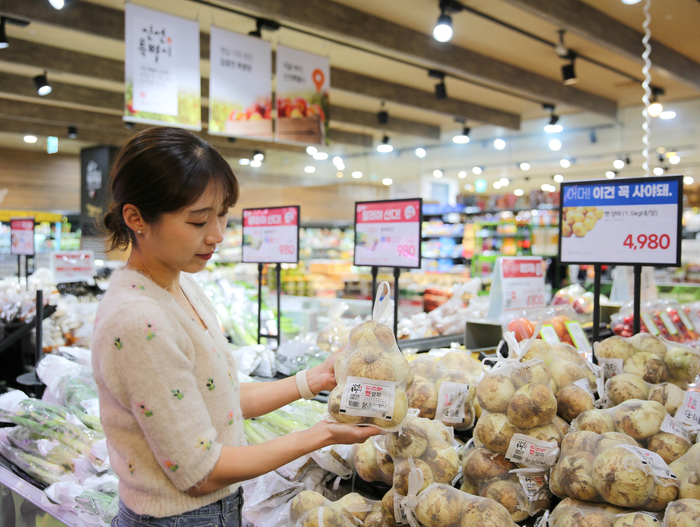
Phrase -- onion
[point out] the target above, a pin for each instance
(423, 396)
(495, 432)
(494, 393)
(402, 471)
(662, 494)
(461, 360)
(561, 425)
(613, 439)
(365, 461)
(546, 432)
(443, 462)
(648, 366)
(334, 408)
(388, 509)
(305, 501)
(440, 506)
(481, 465)
(539, 350)
(626, 386)
(649, 343)
(669, 446)
(354, 501)
(511, 495)
(598, 421)
(532, 405)
(469, 487)
(572, 401)
(620, 479)
(411, 441)
(614, 348)
(670, 395)
(371, 363)
(386, 466)
(639, 419)
(531, 372)
(402, 368)
(330, 517)
(683, 364)
(566, 373)
(683, 513)
(426, 368)
(572, 476)
(399, 414)
(372, 334)
(482, 512)
(580, 442)
(636, 519)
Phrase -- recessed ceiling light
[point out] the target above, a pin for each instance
(504, 182)
(668, 114)
(255, 163)
(555, 144)
(658, 171)
(339, 175)
(387, 181)
(337, 160)
(619, 164)
(518, 192)
(477, 170)
(420, 152)
(30, 139)
(437, 173)
(462, 174)
(524, 166)
(499, 144)
(565, 163)
(357, 174)
(674, 160)
(309, 169)
(311, 150)
(320, 156)
(496, 185)
(558, 178)
(610, 174)
(244, 161)
(688, 180)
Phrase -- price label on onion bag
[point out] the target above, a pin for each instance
(611, 367)
(673, 426)
(651, 460)
(549, 334)
(529, 451)
(451, 399)
(368, 398)
(670, 326)
(649, 323)
(686, 321)
(535, 483)
(585, 385)
(689, 412)
(400, 516)
(578, 335)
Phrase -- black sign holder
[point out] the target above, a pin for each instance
(636, 302)
(278, 269)
(31, 379)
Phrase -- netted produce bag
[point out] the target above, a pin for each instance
(574, 513)
(523, 492)
(662, 318)
(372, 374)
(682, 513)
(560, 325)
(335, 334)
(687, 468)
(612, 468)
(647, 422)
(519, 408)
(653, 359)
(372, 461)
(325, 514)
(626, 386)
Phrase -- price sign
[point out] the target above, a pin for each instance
(388, 233)
(518, 284)
(621, 221)
(22, 236)
(72, 266)
(271, 235)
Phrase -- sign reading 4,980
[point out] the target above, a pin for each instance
(621, 222)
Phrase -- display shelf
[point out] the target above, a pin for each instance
(426, 344)
(21, 331)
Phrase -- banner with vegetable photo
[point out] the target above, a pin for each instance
(240, 86)
(161, 69)
(303, 83)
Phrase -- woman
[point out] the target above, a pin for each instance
(170, 401)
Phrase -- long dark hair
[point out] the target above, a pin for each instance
(162, 170)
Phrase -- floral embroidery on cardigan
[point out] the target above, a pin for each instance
(178, 394)
(204, 444)
(172, 466)
(145, 409)
(210, 384)
(118, 343)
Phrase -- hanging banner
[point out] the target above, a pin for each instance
(240, 85)
(622, 221)
(161, 69)
(303, 83)
(388, 233)
(518, 284)
(22, 236)
(271, 235)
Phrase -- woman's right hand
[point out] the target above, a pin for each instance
(344, 434)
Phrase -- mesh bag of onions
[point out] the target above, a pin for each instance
(687, 468)
(612, 468)
(335, 334)
(372, 374)
(422, 446)
(311, 509)
(573, 513)
(523, 492)
(653, 359)
(626, 386)
(372, 462)
(682, 513)
(442, 393)
(646, 422)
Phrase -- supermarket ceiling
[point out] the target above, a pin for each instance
(501, 66)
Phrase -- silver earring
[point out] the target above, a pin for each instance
(139, 232)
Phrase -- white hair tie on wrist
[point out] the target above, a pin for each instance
(303, 385)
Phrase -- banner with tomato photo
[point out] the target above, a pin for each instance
(240, 86)
(303, 83)
(161, 69)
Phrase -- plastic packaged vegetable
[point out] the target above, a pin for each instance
(661, 318)
(36, 467)
(372, 462)
(39, 446)
(560, 325)
(628, 386)
(334, 335)
(311, 509)
(687, 468)
(574, 513)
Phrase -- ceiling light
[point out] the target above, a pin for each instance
(337, 160)
(31, 139)
(244, 161)
(462, 138)
(546, 187)
(440, 90)
(504, 182)
(477, 170)
(59, 4)
(568, 72)
(443, 29)
(565, 163)
(555, 144)
(668, 114)
(320, 156)
(309, 169)
(499, 144)
(72, 132)
(688, 180)
(496, 185)
(340, 167)
(518, 192)
(462, 174)
(469, 187)
(384, 147)
(42, 84)
(382, 115)
(658, 171)
(420, 152)
(311, 150)
(524, 166)
(339, 175)
(674, 160)
(3, 35)
(610, 174)
(255, 163)
(655, 109)
(661, 150)
(387, 181)
(619, 164)
(259, 156)
(357, 174)
(437, 173)
(630, 2)
(552, 127)
(558, 178)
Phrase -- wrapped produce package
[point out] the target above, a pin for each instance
(687, 468)
(682, 513)
(372, 375)
(311, 509)
(574, 513)
(334, 335)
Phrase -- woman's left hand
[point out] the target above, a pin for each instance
(322, 377)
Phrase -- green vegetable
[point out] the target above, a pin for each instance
(38, 468)
(37, 445)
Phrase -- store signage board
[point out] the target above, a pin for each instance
(271, 235)
(518, 284)
(22, 236)
(388, 233)
(72, 266)
(622, 221)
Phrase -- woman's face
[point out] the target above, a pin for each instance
(186, 240)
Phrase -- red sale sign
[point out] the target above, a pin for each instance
(518, 284)
(388, 233)
(22, 236)
(271, 235)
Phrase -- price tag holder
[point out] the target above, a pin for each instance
(621, 222)
(22, 236)
(271, 235)
(518, 285)
(689, 412)
(388, 233)
(72, 266)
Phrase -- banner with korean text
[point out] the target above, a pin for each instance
(271, 235)
(161, 69)
(240, 85)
